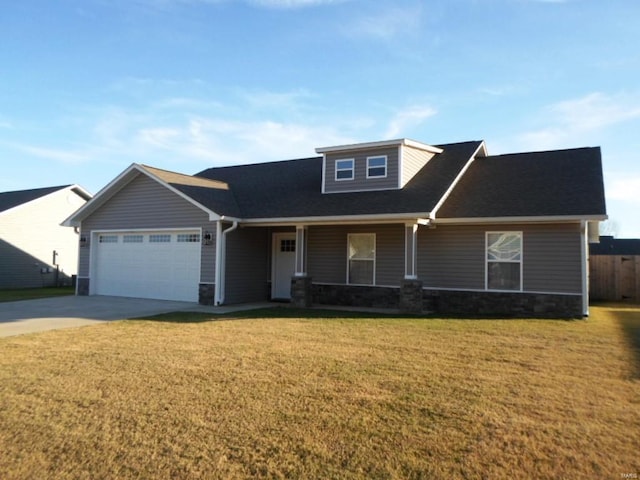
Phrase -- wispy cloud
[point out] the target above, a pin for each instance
(165, 5)
(284, 4)
(407, 119)
(60, 155)
(221, 142)
(575, 119)
(624, 187)
(386, 24)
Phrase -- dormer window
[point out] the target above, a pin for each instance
(377, 167)
(344, 169)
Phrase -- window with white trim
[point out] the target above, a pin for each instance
(362, 258)
(160, 238)
(377, 166)
(188, 238)
(344, 169)
(132, 238)
(108, 238)
(504, 260)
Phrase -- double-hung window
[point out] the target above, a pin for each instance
(504, 261)
(344, 169)
(377, 167)
(362, 258)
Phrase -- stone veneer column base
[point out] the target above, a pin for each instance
(411, 300)
(83, 286)
(301, 292)
(207, 294)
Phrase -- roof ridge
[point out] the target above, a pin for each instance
(541, 152)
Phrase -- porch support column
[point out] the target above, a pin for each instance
(301, 283)
(411, 288)
(411, 251)
(301, 251)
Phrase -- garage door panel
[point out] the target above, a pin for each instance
(148, 265)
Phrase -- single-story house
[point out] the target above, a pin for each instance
(35, 250)
(395, 223)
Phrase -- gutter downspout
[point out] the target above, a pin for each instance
(221, 249)
(584, 254)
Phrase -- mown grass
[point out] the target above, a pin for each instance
(335, 396)
(16, 294)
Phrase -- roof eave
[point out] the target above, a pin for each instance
(522, 219)
(383, 143)
(116, 185)
(337, 219)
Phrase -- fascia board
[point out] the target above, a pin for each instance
(522, 219)
(81, 192)
(116, 185)
(337, 219)
(383, 143)
(102, 196)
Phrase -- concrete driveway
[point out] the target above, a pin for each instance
(29, 316)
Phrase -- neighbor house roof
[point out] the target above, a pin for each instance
(13, 199)
(536, 184)
(615, 246)
(293, 189)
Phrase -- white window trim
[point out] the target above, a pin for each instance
(352, 169)
(386, 166)
(375, 256)
(487, 261)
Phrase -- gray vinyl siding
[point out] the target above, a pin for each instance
(552, 260)
(360, 181)
(145, 204)
(413, 159)
(246, 269)
(327, 253)
(454, 257)
(451, 257)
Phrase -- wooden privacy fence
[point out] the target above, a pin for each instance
(614, 278)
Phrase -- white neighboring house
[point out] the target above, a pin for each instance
(35, 249)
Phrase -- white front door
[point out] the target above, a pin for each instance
(284, 264)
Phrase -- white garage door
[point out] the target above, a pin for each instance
(163, 265)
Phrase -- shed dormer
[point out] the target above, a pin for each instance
(385, 165)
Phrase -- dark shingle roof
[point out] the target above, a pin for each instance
(615, 246)
(552, 183)
(292, 188)
(13, 199)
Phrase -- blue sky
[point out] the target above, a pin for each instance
(88, 87)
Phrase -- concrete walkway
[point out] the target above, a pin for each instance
(43, 314)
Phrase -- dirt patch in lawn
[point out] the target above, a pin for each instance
(336, 397)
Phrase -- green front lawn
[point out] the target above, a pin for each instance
(272, 395)
(15, 294)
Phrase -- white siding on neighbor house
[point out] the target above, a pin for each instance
(144, 204)
(413, 159)
(31, 232)
(360, 181)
